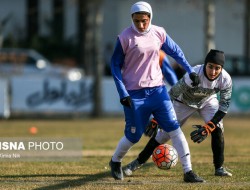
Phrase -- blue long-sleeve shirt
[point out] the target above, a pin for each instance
(168, 72)
(117, 61)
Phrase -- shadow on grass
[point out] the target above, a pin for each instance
(82, 180)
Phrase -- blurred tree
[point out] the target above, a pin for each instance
(32, 20)
(90, 19)
(84, 38)
(209, 25)
(97, 59)
(3, 24)
(58, 20)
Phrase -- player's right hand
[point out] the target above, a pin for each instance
(198, 135)
(195, 79)
(202, 132)
(126, 101)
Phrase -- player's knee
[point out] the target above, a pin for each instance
(221, 126)
(175, 132)
(133, 134)
(218, 134)
(133, 139)
(171, 126)
(162, 137)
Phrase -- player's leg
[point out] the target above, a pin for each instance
(166, 117)
(122, 148)
(134, 128)
(183, 112)
(181, 145)
(149, 148)
(217, 137)
(217, 144)
(115, 163)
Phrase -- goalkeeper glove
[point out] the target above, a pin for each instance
(201, 133)
(152, 128)
(195, 79)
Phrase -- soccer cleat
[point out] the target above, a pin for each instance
(191, 177)
(131, 167)
(222, 172)
(116, 170)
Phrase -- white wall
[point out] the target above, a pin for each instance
(230, 26)
(184, 22)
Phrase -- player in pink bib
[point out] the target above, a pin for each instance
(139, 80)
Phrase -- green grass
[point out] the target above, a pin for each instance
(100, 137)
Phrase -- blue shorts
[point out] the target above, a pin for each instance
(149, 101)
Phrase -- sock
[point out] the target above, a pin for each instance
(147, 151)
(122, 148)
(180, 143)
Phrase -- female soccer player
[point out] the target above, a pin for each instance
(202, 99)
(139, 81)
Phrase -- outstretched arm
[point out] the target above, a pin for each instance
(173, 50)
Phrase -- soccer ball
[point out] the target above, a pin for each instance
(165, 156)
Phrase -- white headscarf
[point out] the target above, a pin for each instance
(145, 7)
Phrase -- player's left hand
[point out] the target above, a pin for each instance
(195, 79)
(201, 133)
(151, 128)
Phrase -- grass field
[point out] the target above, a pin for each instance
(100, 137)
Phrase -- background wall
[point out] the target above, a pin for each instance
(58, 96)
(182, 19)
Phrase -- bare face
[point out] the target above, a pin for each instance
(141, 21)
(213, 70)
